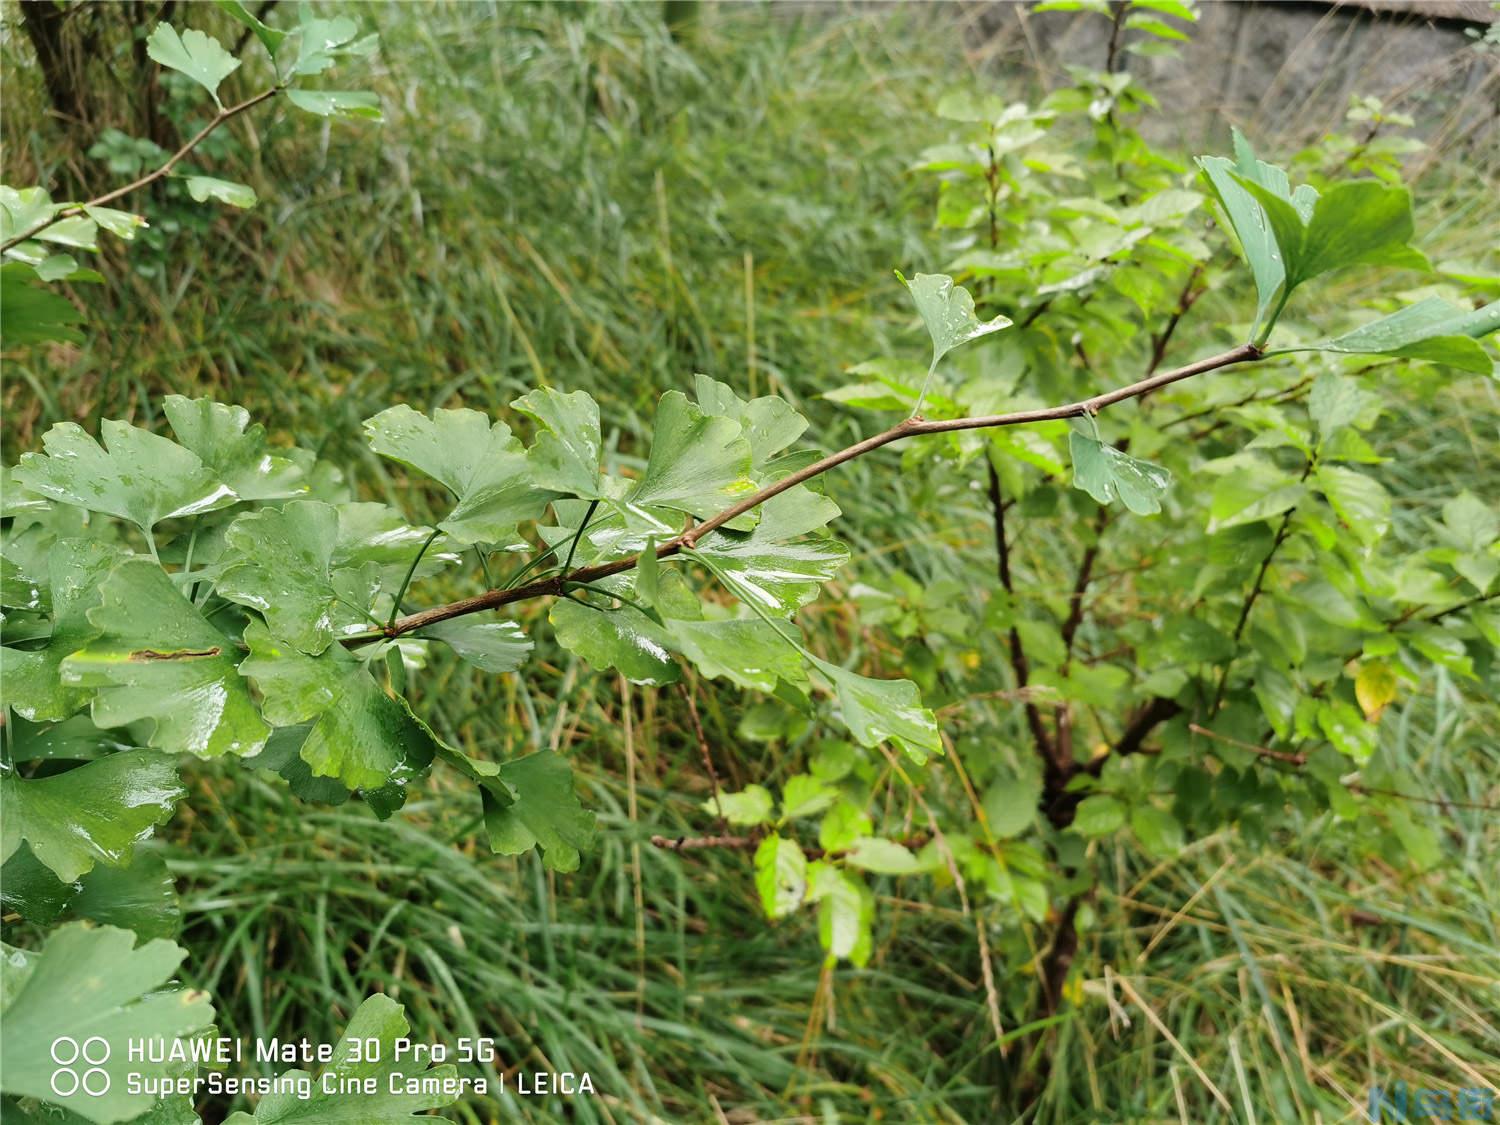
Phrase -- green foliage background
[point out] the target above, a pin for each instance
(573, 197)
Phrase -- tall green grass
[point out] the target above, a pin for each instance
(570, 195)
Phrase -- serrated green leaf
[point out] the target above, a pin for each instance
(280, 562)
(844, 823)
(699, 463)
(566, 454)
(204, 188)
(495, 646)
(877, 710)
(624, 639)
(751, 806)
(32, 679)
(93, 813)
(361, 736)
(378, 1085)
(781, 563)
(884, 857)
(91, 983)
(236, 451)
(1360, 501)
(201, 57)
(481, 464)
(1107, 474)
(158, 661)
(804, 795)
(142, 477)
(1337, 401)
(1254, 490)
(780, 876)
(1098, 815)
(30, 314)
(846, 913)
(1159, 831)
(538, 806)
(1011, 804)
(337, 103)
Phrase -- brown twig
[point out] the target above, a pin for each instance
(150, 177)
(708, 762)
(1018, 660)
(911, 427)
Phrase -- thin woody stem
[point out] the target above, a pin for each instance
(150, 177)
(911, 427)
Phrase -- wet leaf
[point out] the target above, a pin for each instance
(1106, 474)
(535, 806)
(137, 475)
(93, 813)
(158, 661)
(780, 876)
(361, 736)
(567, 451)
(92, 983)
(480, 463)
(368, 1088)
(201, 57)
(280, 562)
(33, 678)
(236, 451)
(876, 710)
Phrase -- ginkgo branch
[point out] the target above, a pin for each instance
(150, 177)
(557, 584)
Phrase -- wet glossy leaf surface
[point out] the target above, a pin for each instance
(157, 660)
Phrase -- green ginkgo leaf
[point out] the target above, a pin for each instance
(371, 1080)
(1431, 330)
(699, 463)
(537, 806)
(280, 562)
(879, 710)
(1106, 474)
(143, 478)
(480, 463)
(495, 646)
(270, 37)
(201, 57)
(93, 982)
(768, 423)
(624, 639)
(746, 651)
(567, 450)
(32, 678)
(157, 661)
(93, 813)
(781, 564)
(948, 312)
(236, 451)
(361, 736)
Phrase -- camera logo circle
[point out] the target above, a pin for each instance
(79, 1066)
